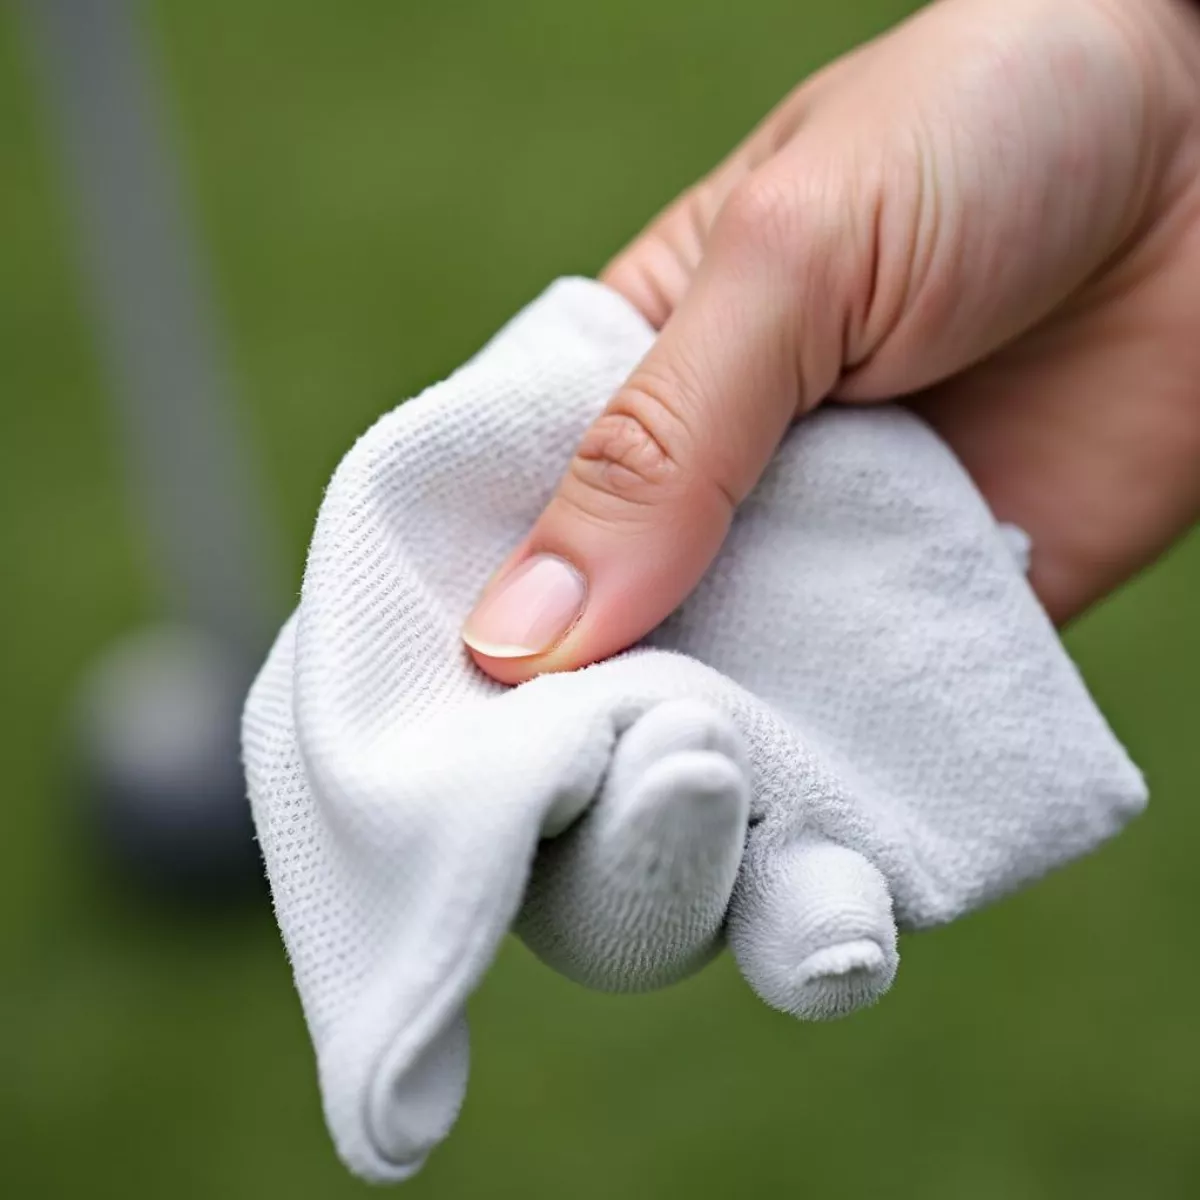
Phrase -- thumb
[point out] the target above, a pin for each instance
(648, 498)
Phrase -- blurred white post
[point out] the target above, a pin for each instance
(192, 486)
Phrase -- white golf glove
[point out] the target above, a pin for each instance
(861, 718)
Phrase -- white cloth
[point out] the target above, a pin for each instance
(862, 715)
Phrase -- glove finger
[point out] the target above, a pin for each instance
(634, 895)
(811, 927)
(430, 839)
(413, 1106)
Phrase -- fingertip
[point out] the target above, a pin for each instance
(598, 587)
(511, 671)
(524, 615)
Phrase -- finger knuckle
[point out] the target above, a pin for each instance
(798, 225)
(632, 454)
(760, 215)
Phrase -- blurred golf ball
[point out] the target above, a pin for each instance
(157, 756)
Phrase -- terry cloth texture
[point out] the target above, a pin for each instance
(861, 719)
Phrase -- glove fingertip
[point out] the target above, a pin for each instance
(634, 896)
(812, 931)
(412, 1103)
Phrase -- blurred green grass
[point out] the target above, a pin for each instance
(381, 186)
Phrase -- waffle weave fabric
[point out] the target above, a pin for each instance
(861, 720)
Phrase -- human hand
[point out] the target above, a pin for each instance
(994, 211)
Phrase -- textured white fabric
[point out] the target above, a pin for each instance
(861, 717)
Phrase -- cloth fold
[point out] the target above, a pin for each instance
(860, 720)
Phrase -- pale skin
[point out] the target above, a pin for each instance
(992, 212)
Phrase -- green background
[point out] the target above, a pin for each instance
(381, 184)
